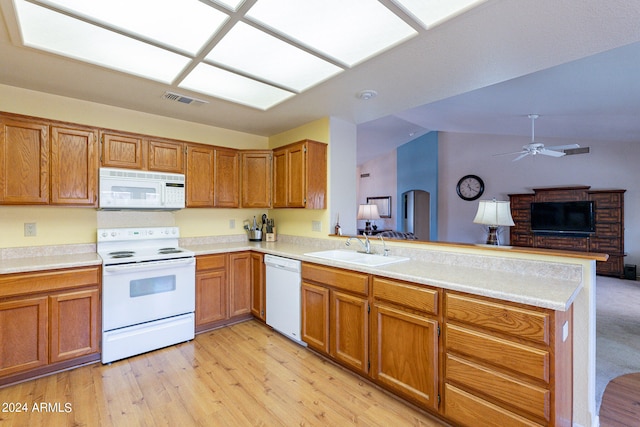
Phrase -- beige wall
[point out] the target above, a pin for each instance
(70, 225)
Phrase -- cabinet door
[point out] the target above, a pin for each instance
(23, 334)
(122, 151)
(211, 297)
(315, 316)
(258, 286)
(24, 162)
(227, 179)
(166, 156)
(405, 353)
(74, 166)
(349, 330)
(296, 176)
(280, 180)
(256, 179)
(200, 167)
(74, 324)
(239, 284)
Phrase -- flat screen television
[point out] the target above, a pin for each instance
(563, 218)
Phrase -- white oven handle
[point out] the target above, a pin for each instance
(151, 265)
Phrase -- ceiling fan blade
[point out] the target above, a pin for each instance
(522, 155)
(563, 147)
(509, 154)
(547, 152)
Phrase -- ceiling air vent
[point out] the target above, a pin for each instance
(580, 150)
(172, 96)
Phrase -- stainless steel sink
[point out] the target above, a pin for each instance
(359, 258)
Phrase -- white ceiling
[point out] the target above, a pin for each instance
(574, 62)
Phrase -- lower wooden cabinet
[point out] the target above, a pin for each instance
(47, 318)
(506, 364)
(223, 289)
(404, 353)
(258, 287)
(335, 314)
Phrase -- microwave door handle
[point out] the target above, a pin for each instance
(163, 193)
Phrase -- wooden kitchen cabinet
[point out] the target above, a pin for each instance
(24, 160)
(74, 325)
(200, 175)
(239, 284)
(23, 332)
(226, 185)
(74, 166)
(300, 175)
(258, 286)
(506, 364)
(256, 182)
(211, 290)
(404, 339)
(122, 150)
(48, 320)
(166, 155)
(223, 289)
(335, 305)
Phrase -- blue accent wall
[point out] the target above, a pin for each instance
(417, 163)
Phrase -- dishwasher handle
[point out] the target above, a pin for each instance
(282, 263)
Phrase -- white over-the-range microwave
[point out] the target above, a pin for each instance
(134, 189)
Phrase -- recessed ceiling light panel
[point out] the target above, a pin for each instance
(185, 25)
(268, 58)
(349, 31)
(54, 32)
(433, 12)
(233, 87)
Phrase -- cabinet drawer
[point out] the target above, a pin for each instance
(498, 352)
(468, 410)
(411, 296)
(47, 281)
(525, 397)
(515, 321)
(337, 278)
(211, 262)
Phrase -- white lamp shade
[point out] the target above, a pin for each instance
(494, 213)
(368, 212)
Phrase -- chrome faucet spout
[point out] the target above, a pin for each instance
(366, 245)
(385, 251)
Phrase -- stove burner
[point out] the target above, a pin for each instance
(121, 254)
(169, 251)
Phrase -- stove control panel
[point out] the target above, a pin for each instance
(138, 233)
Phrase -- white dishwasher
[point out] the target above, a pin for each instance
(283, 296)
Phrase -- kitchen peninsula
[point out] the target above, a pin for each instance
(548, 289)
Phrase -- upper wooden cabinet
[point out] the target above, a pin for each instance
(132, 151)
(256, 179)
(24, 161)
(166, 155)
(122, 150)
(200, 170)
(300, 175)
(226, 184)
(74, 166)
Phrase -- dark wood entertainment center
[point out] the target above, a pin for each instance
(609, 221)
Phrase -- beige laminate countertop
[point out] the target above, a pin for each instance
(546, 292)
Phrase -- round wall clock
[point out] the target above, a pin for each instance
(470, 187)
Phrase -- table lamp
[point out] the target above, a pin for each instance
(494, 213)
(367, 213)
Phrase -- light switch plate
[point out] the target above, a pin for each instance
(232, 223)
(316, 226)
(30, 229)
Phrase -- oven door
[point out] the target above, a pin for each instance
(142, 292)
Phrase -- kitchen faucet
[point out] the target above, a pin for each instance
(385, 251)
(366, 244)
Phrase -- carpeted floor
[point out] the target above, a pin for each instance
(617, 330)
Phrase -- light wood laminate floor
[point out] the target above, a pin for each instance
(241, 375)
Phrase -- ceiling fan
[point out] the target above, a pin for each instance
(535, 148)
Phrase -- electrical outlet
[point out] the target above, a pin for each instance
(232, 223)
(316, 226)
(30, 229)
